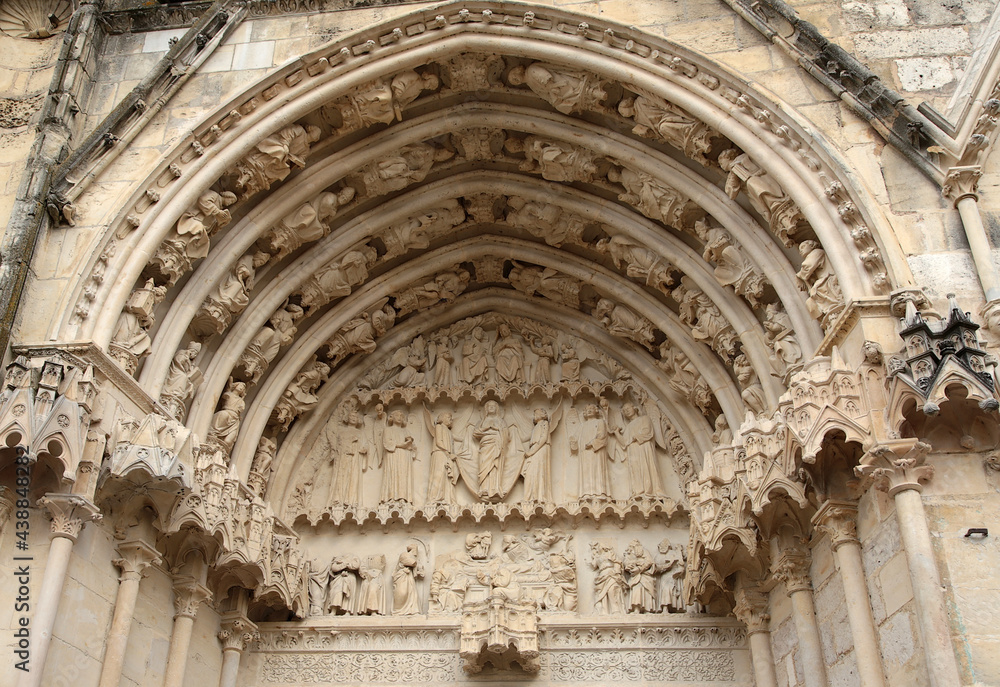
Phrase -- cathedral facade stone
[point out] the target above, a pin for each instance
(499, 342)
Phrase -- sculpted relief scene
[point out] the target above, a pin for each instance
(495, 342)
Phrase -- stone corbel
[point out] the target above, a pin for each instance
(69, 513)
(897, 465)
(752, 610)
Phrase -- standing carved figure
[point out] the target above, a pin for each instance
(397, 461)
(493, 435)
(609, 580)
(444, 468)
(670, 587)
(442, 357)
(638, 261)
(359, 335)
(404, 582)
(764, 193)
(341, 598)
(350, 457)
(371, 596)
(592, 446)
(307, 223)
(537, 469)
(264, 347)
(655, 117)
(781, 336)
(319, 581)
(625, 322)
(637, 439)
(545, 349)
(641, 584)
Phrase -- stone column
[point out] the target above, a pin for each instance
(962, 186)
(899, 470)
(838, 520)
(188, 595)
(751, 609)
(236, 635)
(69, 514)
(792, 568)
(136, 557)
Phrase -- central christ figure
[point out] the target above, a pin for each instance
(493, 435)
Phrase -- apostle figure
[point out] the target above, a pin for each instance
(397, 463)
(537, 470)
(371, 596)
(444, 468)
(350, 458)
(343, 585)
(609, 580)
(640, 454)
(641, 584)
(592, 445)
(670, 588)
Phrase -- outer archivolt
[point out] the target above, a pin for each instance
(541, 85)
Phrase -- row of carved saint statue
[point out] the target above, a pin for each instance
(537, 567)
(606, 450)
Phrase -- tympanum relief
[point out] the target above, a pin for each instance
(491, 410)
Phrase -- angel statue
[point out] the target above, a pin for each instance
(444, 465)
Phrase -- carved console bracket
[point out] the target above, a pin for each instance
(499, 631)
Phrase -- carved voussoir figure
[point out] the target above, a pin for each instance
(653, 199)
(444, 288)
(274, 157)
(764, 193)
(225, 425)
(732, 268)
(409, 165)
(707, 322)
(130, 342)
(546, 221)
(826, 300)
(183, 379)
(191, 240)
(567, 90)
(264, 347)
(657, 118)
(230, 298)
(558, 161)
(260, 468)
(358, 335)
(625, 322)
(307, 223)
(785, 347)
(338, 277)
(300, 396)
(546, 281)
(638, 261)
(416, 233)
(379, 102)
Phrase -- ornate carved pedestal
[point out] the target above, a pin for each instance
(499, 631)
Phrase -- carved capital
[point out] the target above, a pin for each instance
(751, 609)
(792, 568)
(69, 513)
(900, 297)
(962, 182)
(237, 632)
(897, 465)
(188, 595)
(839, 521)
(135, 557)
